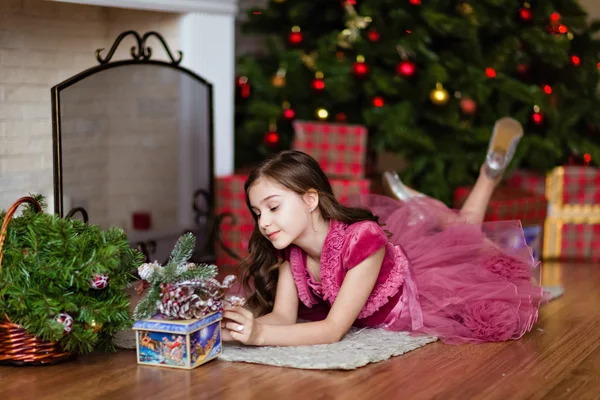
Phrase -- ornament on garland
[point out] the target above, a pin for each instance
(322, 113)
(439, 96)
(279, 79)
(318, 84)
(288, 112)
(66, 320)
(360, 69)
(95, 326)
(354, 24)
(98, 281)
(179, 292)
(295, 37)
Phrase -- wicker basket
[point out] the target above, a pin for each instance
(16, 345)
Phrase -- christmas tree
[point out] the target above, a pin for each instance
(64, 280)
(428, 79)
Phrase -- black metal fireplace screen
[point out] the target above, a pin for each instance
(133, 148)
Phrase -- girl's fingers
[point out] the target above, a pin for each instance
(234, 316)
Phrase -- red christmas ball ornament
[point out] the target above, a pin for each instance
(415, 2)
(66, 320)
(406, 68)
(555, 17)
(98, 281)
(244, 86)
(295, 37)
(525, 14)
(289, 113)
(378, 101)
(490, 72)
(318, 83)
(271, 139)
(522, 69)
(340, 117)
(547, 89)
(538, 118)
(575, 60)
(373, 36)
(468, 106)
(360, 68)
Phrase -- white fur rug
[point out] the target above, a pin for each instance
(358, 348)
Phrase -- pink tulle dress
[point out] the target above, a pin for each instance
(461, 282)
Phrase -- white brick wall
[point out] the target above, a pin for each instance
(41, 44)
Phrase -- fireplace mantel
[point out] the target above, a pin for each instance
(182, 6)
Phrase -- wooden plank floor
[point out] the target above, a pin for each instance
(560, 359)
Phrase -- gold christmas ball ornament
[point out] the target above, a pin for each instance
(95, 326)
(439, 96)
(322, 113)
(279, 79)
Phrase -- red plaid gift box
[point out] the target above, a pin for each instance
(508, 203)
(237, 226)
(340, 149)
(572, 230)
(527, 180)
(573, 185)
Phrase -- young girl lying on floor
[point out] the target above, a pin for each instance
(411, 265)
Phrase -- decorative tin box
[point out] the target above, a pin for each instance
(184, 344)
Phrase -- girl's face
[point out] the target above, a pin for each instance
(283, 215)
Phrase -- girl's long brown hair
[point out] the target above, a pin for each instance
(297, 172)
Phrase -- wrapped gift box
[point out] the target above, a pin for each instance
(184, 344)
(572, 229)
(508, 203)
(237, 223)
(528, 181)
(340, 149)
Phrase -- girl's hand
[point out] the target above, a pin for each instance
(240, 325)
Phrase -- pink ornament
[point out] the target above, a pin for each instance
(99, 281)
(66, 320)
(468, 106)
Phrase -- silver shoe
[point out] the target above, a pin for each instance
(393, 184)
(503, 144)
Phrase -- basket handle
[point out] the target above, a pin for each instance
(9, 214)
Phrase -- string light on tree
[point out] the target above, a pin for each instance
(360, 68)
(295, 37)
(318, 83)
(439, 96)
(322, 113)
